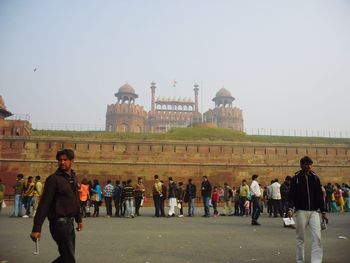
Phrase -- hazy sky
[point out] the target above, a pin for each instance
(287, 63)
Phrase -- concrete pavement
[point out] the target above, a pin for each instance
(174, 240)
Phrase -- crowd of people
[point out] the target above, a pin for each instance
(126, 198)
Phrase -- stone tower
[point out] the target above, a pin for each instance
(3, 110)
(224, 115)
(125, 115)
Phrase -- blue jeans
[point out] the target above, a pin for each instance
(191, 206)
(206, 200)
(27, 201)
(156, 200)
(17, 207)
(130, 208)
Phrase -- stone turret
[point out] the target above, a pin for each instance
(224, 115)
(125, 115)
(3, 110)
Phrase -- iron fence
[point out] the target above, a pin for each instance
(249, 131)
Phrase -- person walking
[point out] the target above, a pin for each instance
(206, 194)
(191, 197)
(157, 195)
(163, 198)
(60, 203)
(108, 193)
(84, 195)
(117, 196)
(215, 199)
(18, 189)
(172, 203)
(129, 195)
(28, 195)
(180, 195)
(276, 198)
(2, 193)
(243, 196)
(38, 190)
(228, 198)
(139, 195)
(256, 196)
(285, 187)
(97, 197)
(306, 198)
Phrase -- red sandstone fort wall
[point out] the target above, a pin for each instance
(221, 162)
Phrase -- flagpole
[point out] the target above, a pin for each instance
(202, 91)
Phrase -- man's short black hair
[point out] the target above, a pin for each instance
(67, 152)
(306, 160)
(108, 181)
(254, 176)
(156, 176)
(37, 177)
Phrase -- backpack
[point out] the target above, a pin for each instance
(117, 192)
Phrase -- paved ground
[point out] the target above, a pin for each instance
(169, 240)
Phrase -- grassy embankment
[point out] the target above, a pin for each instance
(189, 134)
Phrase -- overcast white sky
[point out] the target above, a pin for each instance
(287, 63)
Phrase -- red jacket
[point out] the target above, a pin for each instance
(215, 197)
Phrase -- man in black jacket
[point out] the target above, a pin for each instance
(191, 196)
(60, 203)
(206, 194)
(306, 197)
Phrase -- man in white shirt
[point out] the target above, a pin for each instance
(256, 195)
(276, 198)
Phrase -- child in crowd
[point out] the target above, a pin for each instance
(246, 207)
(215, 200)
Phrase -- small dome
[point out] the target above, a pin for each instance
(223, 93)
(126, 88)
(2, 103)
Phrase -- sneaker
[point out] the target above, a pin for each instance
(181, 215)
(25, 216)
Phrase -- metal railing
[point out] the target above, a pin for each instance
(249, 131)
(68, 126)
(19, 117)
(297, 132)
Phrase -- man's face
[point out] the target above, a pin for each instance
(243, 183)
(64, 163)
(140, 181)
(305, 167)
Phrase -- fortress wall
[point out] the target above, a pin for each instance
(221, 162)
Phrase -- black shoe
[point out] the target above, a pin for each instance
(256, 224)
